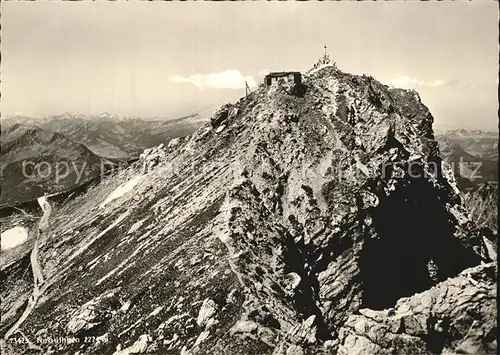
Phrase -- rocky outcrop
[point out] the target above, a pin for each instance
(267, 230)
(457, 316)
(93, 314)
(223, 114)
(152, 157)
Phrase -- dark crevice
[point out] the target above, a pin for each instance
(305, 297)
(413, 228)
(392, 142)
(299, 90)
(436, 335)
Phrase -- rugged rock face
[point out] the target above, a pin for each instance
(437, 320)
(267, 231)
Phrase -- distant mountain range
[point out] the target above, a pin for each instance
(36, 153)
(112, 137)
(474, 158)
(35, 160)
(482, 204)
(476, 142)
(470, 150)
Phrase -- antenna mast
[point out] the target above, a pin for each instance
(247, 90)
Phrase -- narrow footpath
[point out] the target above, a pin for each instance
(35, 265)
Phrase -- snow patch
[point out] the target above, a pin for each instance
(220, 129)
(13, 237)
(136, 226)
(125, 307)
(202, 337)
(121, 190)
(155, 312)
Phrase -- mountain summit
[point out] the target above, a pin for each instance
(305, 218)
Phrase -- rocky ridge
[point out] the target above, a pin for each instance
(303, 219)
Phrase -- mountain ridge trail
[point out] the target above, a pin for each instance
(38, 279)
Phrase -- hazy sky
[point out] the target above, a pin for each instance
(173, 58)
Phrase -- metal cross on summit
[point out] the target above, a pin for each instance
(324, 60)
(326, 57)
